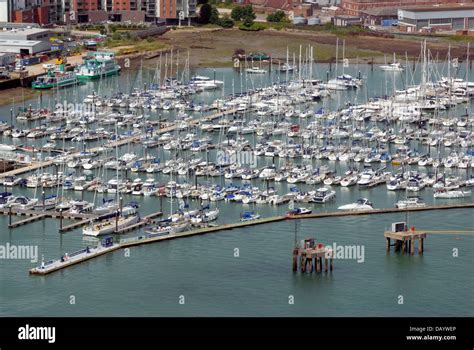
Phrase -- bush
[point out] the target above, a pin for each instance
(205, 13)
(226, 21)
(253, 28)
(278, 16)
(116, 36)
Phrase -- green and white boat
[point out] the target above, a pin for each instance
(97, 65)
(54, 80)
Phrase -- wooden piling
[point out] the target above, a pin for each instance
(388, 244)
(295, 260)
(310, 261)
(326, 265)
(420, 246)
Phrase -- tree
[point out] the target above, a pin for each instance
(247, 12)
(236, 13)
(201, 2)
(214, 19)
(205, 13)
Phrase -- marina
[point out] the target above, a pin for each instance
(164, 152)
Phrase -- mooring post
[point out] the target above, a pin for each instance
(60, 219)
(310, 261)
(412, 246)
(325, 264)
(420, 246)
(388, 244)
(10, 216)
(295, 260)
(330, 264)
(318, 264)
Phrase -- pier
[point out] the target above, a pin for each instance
(312, 254)
(302, 253)
(405, 241)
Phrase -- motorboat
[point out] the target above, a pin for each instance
(323, 195)
(361, 204)
(410, 202)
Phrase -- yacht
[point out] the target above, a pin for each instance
(128, 217)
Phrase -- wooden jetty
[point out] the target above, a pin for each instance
(405, 239)
(25, 169)
(311, 251)
(26, 221)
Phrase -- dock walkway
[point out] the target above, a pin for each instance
(151, 238)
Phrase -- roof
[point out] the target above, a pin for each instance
(381, 11)
(19, 42)
(433, 8)
(24, 31)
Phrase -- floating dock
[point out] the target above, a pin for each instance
(74, 258)
(316, 254)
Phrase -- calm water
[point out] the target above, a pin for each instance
(259, 282)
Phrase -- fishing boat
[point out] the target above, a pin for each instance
(97, 65)
(55, 79)
(361, 204)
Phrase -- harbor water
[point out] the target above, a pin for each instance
(247, 271)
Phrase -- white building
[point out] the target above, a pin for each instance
(437, 17)
(24, 47)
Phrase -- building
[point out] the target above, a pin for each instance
(7, 59)
(24, 47)
(6, 8)
(35, 34)
(380, 16)
(344, 21)
(47, 12)
(136, 11)
(460, 17)
(355, 7)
